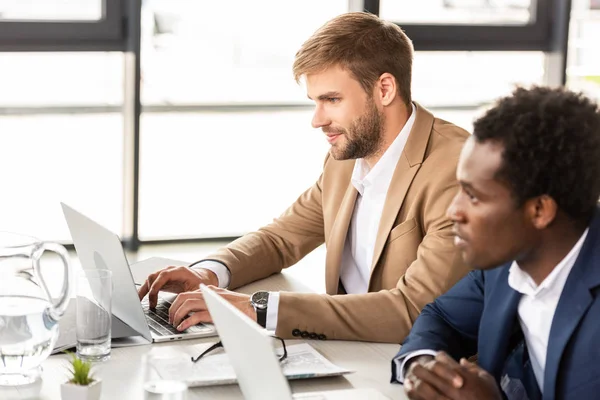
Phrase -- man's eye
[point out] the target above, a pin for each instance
(333, 99)
(471, 196)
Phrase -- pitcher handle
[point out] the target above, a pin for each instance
(59, 306)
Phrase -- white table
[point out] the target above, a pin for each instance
(122, 374)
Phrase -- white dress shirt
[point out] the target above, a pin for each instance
(538, 304)
(372, 185)
(536, 311)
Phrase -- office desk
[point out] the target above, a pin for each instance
(122, 374)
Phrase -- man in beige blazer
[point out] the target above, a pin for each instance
(379, 205)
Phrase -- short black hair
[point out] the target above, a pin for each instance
(551, 140)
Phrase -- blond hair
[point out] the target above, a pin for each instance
(363, 44)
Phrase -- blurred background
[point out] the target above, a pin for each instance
(175, 121)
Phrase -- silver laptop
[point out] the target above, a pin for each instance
(97, 247)
(253, 358)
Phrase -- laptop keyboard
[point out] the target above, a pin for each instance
(158, 320)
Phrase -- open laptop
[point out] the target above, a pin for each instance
(253, 358)
(97, 247)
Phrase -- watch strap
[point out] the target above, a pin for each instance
(261, 316)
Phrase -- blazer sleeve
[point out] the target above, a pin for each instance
(297, 232)
(387, 315)
(451, 322)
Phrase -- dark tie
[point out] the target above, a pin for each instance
(517, 379)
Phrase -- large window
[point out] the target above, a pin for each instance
(171, 119)
(226, 142)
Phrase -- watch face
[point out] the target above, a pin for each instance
(260, 299)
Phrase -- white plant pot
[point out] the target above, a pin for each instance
(70, 391)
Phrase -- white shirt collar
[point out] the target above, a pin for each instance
(383, 170)
(520, 281)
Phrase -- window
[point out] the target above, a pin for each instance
(226, 141)
(61, 131)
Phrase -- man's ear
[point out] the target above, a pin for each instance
(542, 211)
(386, 89)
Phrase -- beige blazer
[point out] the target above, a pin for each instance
(414, 259)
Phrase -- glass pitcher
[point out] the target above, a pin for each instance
(29, 312)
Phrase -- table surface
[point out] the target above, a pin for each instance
(122, 374)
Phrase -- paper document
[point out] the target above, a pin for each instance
(302, 362)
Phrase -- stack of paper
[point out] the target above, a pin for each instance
(303, 361)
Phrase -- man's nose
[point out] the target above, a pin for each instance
(319, 119)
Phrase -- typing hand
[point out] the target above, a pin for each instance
(445, 379)
(193, 302)
(175, 280)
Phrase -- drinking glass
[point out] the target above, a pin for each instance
(94, 316)
(156, 388)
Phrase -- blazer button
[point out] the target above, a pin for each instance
(321, 337)
(304, 334)
(313, 335)
(296, 332)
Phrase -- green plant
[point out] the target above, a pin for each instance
(80, 371)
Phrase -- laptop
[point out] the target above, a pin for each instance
(250, 352)
(97, 247)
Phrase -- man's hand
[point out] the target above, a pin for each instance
(175, 280)
(444, 379)
(193, 302)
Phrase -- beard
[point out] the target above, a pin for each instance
(363, 138)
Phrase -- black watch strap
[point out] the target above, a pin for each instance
(261, 316)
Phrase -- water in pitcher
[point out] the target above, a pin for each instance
(27, 336)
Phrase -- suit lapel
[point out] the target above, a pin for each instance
(574, 302)
(406, 169)
(498, 324)
(339, 232)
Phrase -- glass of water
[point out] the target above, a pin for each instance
(157, 388)
(94, 290)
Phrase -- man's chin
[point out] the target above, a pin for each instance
(479, 263)
(337, 154)
(468, 258)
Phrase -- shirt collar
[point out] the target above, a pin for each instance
(382, 171)
(520, 281)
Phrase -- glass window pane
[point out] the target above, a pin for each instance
(201, 173)
(208, 174)
(468, 12)
(51, 10)
(462, 78)
(61, 79)
(50, 155)
(223, 174)
(583, 72)
(202, 52)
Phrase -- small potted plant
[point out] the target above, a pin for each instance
(81, 384)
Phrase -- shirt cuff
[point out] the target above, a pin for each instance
(223, 274)
(272, 312)
(402, 361)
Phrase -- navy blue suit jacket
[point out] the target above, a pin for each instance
(479, 315)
